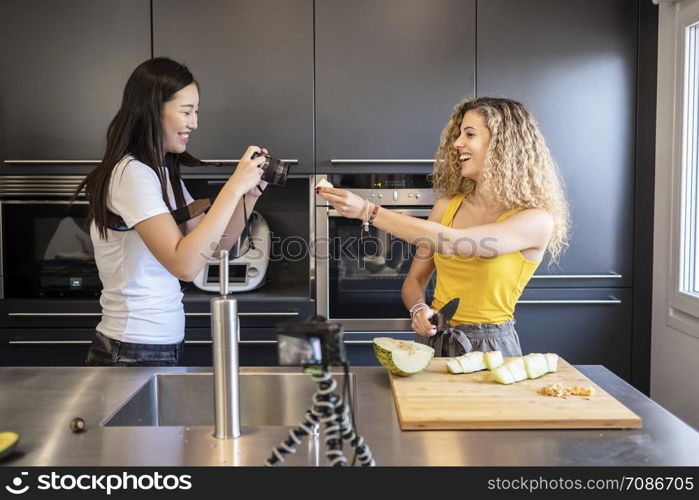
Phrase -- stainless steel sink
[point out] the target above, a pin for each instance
(188, 400)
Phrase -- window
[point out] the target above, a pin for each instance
(683, 281)
(689, 224)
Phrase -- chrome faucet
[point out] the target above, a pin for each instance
(224, 333)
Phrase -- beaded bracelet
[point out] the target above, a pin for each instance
(364, 228)
(373, 213)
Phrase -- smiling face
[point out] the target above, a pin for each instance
(472, 144)
(179, 118)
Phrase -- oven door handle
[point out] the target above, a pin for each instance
(412, 212)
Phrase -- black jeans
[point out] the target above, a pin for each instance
(107, 352)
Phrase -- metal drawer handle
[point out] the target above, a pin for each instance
(271, 342)
(48, 342)
(344, 161)
(194, 342)
(250, 314)
(417, 212)
(577, 276)
(240, 341)
(33, 315)
(52, 162)
(34, 178)
(42, 202)
(381, 333)
(286, 160)
(604, 301)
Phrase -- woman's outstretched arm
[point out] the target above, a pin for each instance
(529, 228)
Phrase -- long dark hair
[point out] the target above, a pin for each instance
(137, 130)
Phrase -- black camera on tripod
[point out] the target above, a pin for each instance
(314, 342)
(275, 171)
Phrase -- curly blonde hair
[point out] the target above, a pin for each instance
(519, 171)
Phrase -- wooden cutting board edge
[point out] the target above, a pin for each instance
(633, 421)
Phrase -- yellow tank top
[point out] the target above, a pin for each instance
(488, 287)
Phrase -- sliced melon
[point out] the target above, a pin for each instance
(453, 366)
(324, 184)
(493, 359)
(477, 359)
(551, 361)
(402, 357)
(467, 364)
(536, 365)
(521, 368)
(502, 375)
(517, 368)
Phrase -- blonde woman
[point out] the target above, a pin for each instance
(501, 206)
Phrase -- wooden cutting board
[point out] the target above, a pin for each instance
(435, 399)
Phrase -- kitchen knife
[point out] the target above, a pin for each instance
(441, 318)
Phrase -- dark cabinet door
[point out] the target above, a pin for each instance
(51, 346)
(586, 326)
(573, 65)
(64, 66)
(388, 75)
(254, 62)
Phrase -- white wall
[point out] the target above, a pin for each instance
(674, 353)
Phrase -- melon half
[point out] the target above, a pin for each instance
(402, 357)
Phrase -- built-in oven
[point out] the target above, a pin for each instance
(45, 247)
(359, 277)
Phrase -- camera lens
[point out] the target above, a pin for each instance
(275, 171)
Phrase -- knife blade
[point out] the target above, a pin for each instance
(441, 318)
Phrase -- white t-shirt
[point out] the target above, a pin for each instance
(141, 301)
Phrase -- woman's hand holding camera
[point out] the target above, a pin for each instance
(248, 173)
(421, 322)
(257, 190)
(345, 202)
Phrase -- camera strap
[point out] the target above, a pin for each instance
(181, 215)
(186, 213)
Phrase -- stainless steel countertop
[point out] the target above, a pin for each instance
(39, 403)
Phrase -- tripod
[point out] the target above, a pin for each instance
(328, 409)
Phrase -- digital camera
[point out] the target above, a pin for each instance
(314, 342)
(275, 171)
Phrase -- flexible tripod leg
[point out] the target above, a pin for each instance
(325, 400)
(356, 441)
(289, 445)
(329, 409)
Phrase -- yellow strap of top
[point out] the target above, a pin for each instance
(452, 208)
(455, 204)
(508, 213)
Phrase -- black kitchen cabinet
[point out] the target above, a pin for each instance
(586, 326)
(59, 332)
(64, 66)
(69, 347)
(257, 347)
(50, 346)
(254, 62)
(574, 65)
(388, 75)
